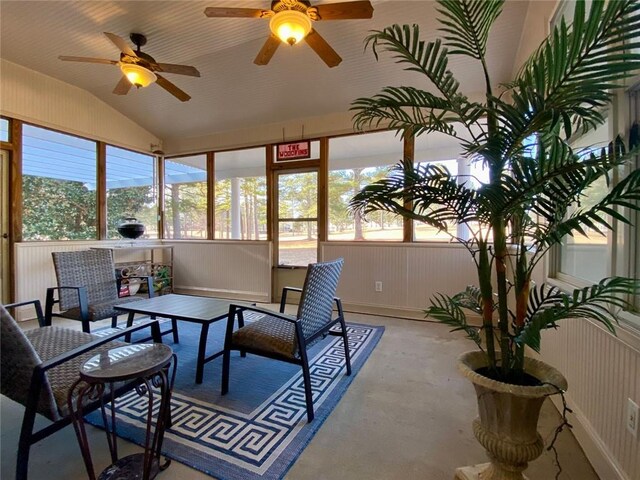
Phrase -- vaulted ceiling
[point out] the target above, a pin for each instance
(232, 92)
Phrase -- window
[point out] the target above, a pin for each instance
(131, 190)
(185, 197)
(356, 161)
(4, 130)
(585, 257)
(633, 237)
(58, 185)
(241, 194)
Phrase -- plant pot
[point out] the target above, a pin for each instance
(508, 418)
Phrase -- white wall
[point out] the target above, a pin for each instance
(227, 269)
(36, 98)
(410, 274)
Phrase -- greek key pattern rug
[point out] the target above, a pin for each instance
(249, 435)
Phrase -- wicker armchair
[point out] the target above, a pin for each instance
(87, 287)
(286, 337)
(37, 368)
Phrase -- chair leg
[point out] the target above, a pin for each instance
(114, 321)
(174, 328)
(345, 341)
(24, 444)
(308, 394)
(86, 327)
(226, 360)
(48, 308)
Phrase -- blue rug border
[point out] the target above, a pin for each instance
(287, 459)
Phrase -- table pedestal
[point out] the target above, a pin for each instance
(146, 367)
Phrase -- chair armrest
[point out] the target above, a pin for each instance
(283, 298)
(87, 347)
(283, 316)
(37, 305)
(83, 302)
(339, 306)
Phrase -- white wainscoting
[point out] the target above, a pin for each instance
(603, 371)
(240, 270)
(410, 274)
(34, 271)
(227, 269)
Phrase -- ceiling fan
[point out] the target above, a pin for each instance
(291, 22)
(138, 68)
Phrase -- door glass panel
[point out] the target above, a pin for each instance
(298, 243)
(297, 218)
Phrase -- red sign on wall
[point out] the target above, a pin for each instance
(293, 151)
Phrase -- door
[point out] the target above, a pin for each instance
(4, 227)
(297, 218)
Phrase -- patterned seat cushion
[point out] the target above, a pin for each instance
(50, 342)
(100, 311)
(269, 334)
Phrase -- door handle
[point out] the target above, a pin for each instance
(5, 235)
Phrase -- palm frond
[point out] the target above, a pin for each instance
(470, 298)
(467, 24)
(427, 58)
(448, 311)
(569, 79)
(625, 194)
(422, 192)
(407, 109)
(592, 302)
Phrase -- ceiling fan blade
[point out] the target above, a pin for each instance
(177, 69)
(267, 50)
(322, 48)
(123, 86)
(345, 11)
(88, 60)
(172, 89)
(236, 12)
(121, 44)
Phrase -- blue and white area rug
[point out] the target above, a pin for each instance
(259, 428)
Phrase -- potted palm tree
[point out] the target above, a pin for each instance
(522, 133)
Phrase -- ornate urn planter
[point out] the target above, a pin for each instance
(508, 418)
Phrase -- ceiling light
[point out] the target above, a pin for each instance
(290, 26)
(138, 75)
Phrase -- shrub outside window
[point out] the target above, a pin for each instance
(131, 190)
(58, 186)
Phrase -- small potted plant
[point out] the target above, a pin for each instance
(520, 132)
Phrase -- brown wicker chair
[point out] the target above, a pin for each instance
(37, 368)
(87, 287)
(286, 337)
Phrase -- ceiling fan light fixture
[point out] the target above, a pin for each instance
(290, 26)
(138, 75)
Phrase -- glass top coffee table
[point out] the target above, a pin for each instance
(187, 308)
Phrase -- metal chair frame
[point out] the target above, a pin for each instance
(302, 342)
(38, 379)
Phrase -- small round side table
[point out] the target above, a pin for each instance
(140, 367)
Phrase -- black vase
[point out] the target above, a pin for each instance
(131, 228)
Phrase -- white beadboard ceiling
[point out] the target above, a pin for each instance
(232, 93)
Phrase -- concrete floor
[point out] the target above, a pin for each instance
(407, 415)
